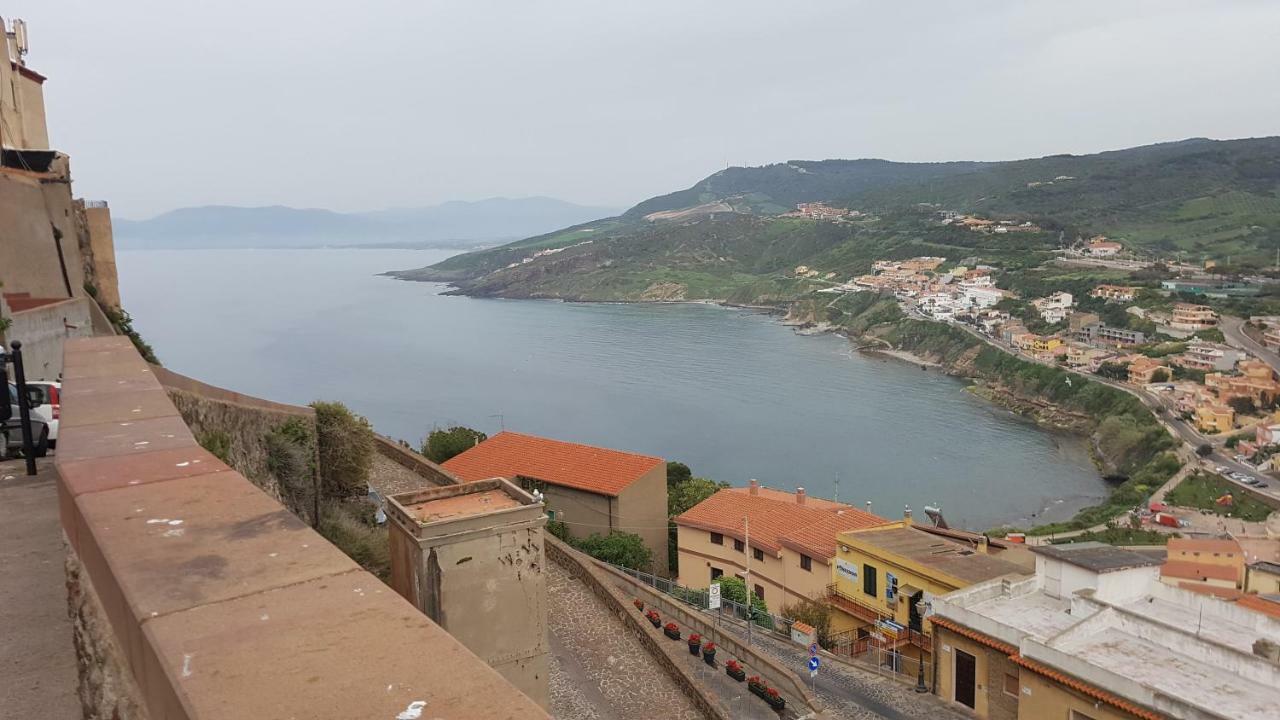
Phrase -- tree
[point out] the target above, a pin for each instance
(735, 590)
(690, 492)
(345, 442)
(1113, 371)
(619, 548)
(1204, 449)
(811, 613)
(1160, 376)
(677, 472)
(1243, 405)
(441, 445)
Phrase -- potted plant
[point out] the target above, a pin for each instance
(776, 701)
(672, 631)
(756, 685)
(639, 604)
(695, 644)
(709, 654)
(654, 618)
(733, 669)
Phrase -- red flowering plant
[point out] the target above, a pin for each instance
(695, 639)
(733, 665)
(755, 680)
(710, 648)
(638, 603)
(672, 627)
(772, 693)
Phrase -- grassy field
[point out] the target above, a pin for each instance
(1120, 536)
(1201, 490)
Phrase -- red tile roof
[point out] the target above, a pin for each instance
(1189, 570)
(1219, 592)
(583, 467)
(1260, 604)
(973, 635)
(777, 522)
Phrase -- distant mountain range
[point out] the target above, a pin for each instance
(450, 224)
(729, 236)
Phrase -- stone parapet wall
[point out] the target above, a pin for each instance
(44, 329)
(219, 602)
(246, 421)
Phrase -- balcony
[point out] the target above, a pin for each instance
(854, 605)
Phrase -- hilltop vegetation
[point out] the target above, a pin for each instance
(1191, 199)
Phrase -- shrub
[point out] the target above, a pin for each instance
(291, 461)
(617, 548)
(812, 613)
(441, 445)
(216, 442)
(346, 450)
(363, 541)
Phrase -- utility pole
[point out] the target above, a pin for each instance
(746, 575)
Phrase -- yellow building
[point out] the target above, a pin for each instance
(1046, 344)
(884, 578)
(1203, 562)
(1214, 418)
(791, 546)
(1262, 577)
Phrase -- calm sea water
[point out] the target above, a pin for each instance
(732, 393)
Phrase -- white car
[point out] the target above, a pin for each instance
(50, 408)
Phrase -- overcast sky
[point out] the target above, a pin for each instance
(380, 103)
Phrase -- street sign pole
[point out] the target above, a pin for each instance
(24, 406)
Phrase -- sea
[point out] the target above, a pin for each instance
(733, 393)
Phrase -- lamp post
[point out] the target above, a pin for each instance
(920, 687)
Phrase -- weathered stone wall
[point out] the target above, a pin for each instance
(107, 690)
(246, 421)
(38, 234)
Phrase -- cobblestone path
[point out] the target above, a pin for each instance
(599, 671)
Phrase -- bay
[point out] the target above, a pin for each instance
(732, 393)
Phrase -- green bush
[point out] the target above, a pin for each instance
(216, 442)
(441, 445)
(291, 461)
(617, 548)
(346, 450)
(351, 528)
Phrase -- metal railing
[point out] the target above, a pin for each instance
(700, 599)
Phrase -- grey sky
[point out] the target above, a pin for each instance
(352, 106)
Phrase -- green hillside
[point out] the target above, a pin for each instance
(1193, 199)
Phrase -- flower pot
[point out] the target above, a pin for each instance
(738, 674)
(639, 605)
(657, 621)
(673, 634)
(709, 657)
(777, 703)
(694, 649)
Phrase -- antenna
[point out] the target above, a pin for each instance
(837, 498)
(20, 36)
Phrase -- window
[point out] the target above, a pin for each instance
(759, 591)
(890, 588)
(806, 563)
(717, 539)
(716, 573)
(1011, 684)
(737, 545)
(551, 515)
(758, 554)
(869, 580)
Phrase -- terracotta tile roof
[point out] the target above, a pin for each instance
(973, 635)
(1189, 570)
(1083, 687)
(1260, 604)
(1219, 592)
(1209, 545)
(584, 467)
(776, 523)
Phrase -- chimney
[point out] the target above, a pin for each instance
(799, 496)
(906, 515)
(868, 507)
(755, 487)
(984, 545)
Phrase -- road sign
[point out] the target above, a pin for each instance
(714, 596)
(814, 662)
(813, 648)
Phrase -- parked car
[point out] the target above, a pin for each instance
(50, 408)
(11, 429)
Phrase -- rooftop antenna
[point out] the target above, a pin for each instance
(502, 422)
(20, 38)
(837, 498)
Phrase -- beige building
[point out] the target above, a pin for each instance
(590, 490)
(1262, 577)
(791, 547)
(471, 558)
(22, 119)
(1193, 318)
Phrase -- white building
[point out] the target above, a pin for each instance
(1100, 615)
(982, 297)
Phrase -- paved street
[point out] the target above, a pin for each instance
(37, 658)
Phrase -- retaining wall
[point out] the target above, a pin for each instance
(413, 462)
(246, 421)
(198, 596)
(664, 652)
(758, 663)
(44, 329)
